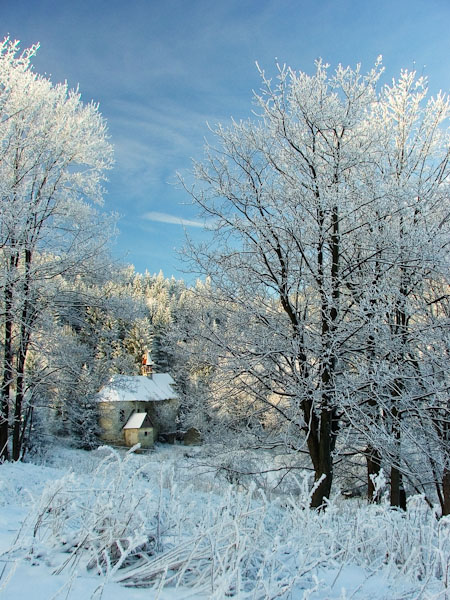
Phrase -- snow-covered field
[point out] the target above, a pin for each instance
(112, 525)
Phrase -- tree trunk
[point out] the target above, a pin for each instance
(18, 406)
(321, 443)
(26, 322)
(446, 474)
(446, 492)
(7, 366)
(398, 494)
(4, 418)
(373, 461)
(323, 490)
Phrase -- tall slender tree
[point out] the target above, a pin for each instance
(53, 154)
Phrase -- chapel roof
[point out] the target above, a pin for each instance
(138, 388)
(136, 421)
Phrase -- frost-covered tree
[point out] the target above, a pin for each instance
(162, 297)
(102, 331)
(53, 154)
(324, 210)
(407, 276)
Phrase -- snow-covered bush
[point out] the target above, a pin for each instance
(134, 520)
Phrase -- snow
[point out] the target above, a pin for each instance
(135, 421)
(128, 388)
(103, 524)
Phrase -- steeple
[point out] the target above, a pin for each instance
(147, 364)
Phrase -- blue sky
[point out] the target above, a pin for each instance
(161, 70)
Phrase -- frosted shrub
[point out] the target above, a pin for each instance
(131, 522)
(104, 522)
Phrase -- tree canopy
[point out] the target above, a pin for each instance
(330, 213)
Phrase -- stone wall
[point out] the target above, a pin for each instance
(114, 415)
(144, 436)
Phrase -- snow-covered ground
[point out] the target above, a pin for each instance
(111, 525)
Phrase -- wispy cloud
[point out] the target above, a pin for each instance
(171, 219)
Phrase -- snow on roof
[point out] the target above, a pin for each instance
(135, 421)
(132, 388)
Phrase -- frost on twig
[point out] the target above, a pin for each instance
(135, 525)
